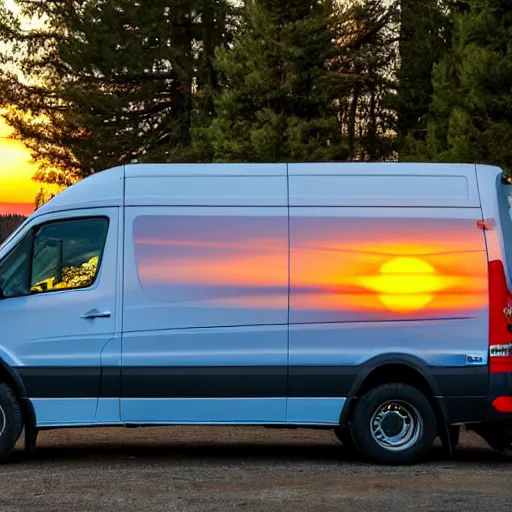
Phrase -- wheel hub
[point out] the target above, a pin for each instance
(392, 424)
(396, 425)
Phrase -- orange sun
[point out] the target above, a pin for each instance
(405, 284)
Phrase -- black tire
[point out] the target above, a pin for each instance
(345, 437)
(418, 408)
(11, 423)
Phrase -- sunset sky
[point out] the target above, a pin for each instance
(17, 189)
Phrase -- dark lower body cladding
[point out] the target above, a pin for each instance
(464, 390)
(465, 395)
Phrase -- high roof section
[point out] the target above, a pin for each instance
(99, 190)
(305, 184)
(385, 184)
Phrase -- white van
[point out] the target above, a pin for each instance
(364, 298)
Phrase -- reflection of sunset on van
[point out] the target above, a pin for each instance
(414, 268)
(340, 271)
(410, 284)
(249, 262)
(218, 262)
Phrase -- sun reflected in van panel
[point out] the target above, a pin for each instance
(377, 269)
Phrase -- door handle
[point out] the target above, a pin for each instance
(94, 313)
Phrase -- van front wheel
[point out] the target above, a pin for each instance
(10, 421)
(394, 424)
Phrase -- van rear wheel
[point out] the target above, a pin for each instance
(394, 424)
(11, 423)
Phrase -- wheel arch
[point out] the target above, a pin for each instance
(389, 368)
(12, 378)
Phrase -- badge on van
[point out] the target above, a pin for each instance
(474, 360)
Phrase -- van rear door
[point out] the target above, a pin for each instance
(494, 195)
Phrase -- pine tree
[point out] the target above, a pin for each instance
(114, 80)
(366, 58)
(472, 107)
(277, 99)
(423, 36)
(8, 223)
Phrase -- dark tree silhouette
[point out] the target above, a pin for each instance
(8, 223)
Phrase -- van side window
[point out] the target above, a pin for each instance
(55, 256)
(66, 255)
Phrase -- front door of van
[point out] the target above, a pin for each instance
(57, 310)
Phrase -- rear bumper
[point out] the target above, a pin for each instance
(495, 416)
(495, 407)
(500, 398)
(496, 427)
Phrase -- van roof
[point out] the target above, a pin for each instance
(351, 181)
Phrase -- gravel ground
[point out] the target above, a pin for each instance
(198, 469)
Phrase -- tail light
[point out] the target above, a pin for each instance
(503, 404)
(500, 320)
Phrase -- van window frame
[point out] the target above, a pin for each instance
(505, 218)
(31, 233)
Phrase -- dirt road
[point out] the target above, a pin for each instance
(219, 469)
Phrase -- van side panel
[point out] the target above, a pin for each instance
(205, 314)
(205, 267)
(373, 284)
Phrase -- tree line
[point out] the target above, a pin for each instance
(8, 223)
(106, 82)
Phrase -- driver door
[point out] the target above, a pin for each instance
(57, 313)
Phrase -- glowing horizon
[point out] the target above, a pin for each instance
(17, 188)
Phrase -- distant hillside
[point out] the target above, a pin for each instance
(8, 223)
